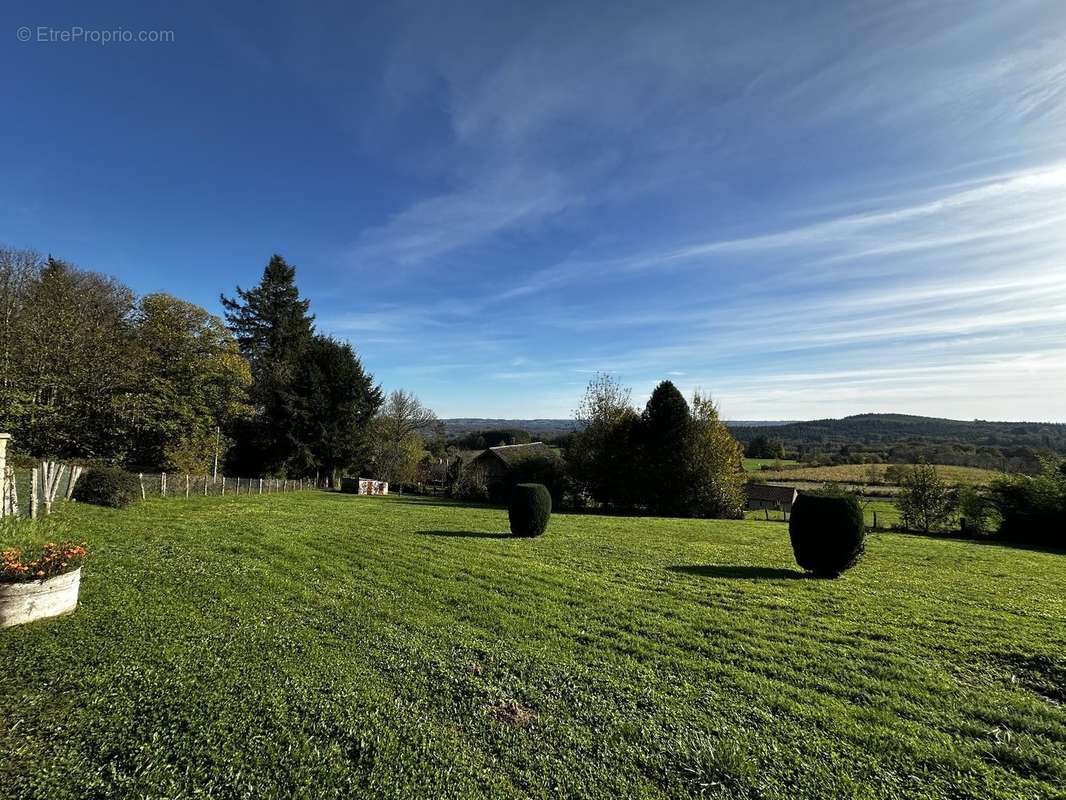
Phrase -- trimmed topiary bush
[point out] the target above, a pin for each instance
(828, 533)
(530, 509)
(107, 486)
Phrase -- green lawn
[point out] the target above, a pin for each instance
(878, 513)
(323, 645)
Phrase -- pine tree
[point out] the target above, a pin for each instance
(335, 401)
(274, 330)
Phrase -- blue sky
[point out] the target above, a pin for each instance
(808, 209)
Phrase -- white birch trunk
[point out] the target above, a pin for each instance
(12, 493)
(75, 474)
(33, 493)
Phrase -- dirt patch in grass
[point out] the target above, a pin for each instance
(513, 713)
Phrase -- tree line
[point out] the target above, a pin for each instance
(902, 438)
(91, 372)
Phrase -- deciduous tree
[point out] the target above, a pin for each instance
(397, 436)
(191, 382)
(716, 482)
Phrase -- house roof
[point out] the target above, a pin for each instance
(510, 454)
(771, 494)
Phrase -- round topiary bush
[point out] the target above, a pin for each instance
(828, 533)
(107, 486)
(530, 509)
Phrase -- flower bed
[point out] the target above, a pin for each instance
(39, 584)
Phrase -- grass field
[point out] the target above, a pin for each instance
(324, 645)
(878, 513)
(756, 464)
(859, 474)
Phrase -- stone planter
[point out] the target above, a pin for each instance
(32, 600)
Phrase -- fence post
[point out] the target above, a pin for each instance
(162, 484)
(187, 486)
(205, 486)
(260, 486)
(140, 477)
(33, 493)
(223, 485)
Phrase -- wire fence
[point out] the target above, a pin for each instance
(20, 499)
(179, 484)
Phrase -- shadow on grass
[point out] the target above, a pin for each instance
(467, 534)
(727, 571)
(987, 539)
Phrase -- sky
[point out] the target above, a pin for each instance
(806, 209)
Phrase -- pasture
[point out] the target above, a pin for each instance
(324, 645)
(756, 464)
(878, 513)
(862, 474)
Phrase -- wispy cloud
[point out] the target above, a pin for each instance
(472, 213)
(731, 197)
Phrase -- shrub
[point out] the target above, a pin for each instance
(827, 532)
(471, 484)
(896, 473)
(530, 509)
(925, 503)
(1033, 509)
(107, 486)
(976, 510)
(546, 469)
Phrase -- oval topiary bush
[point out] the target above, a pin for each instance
(530, 509)
(828, 533)
(107, 486)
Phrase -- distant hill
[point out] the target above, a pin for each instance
(457, 426)
(905, 438)
(890, 438)
(537, 428)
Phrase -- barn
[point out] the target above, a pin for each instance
(495, 462)
(773, 498)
